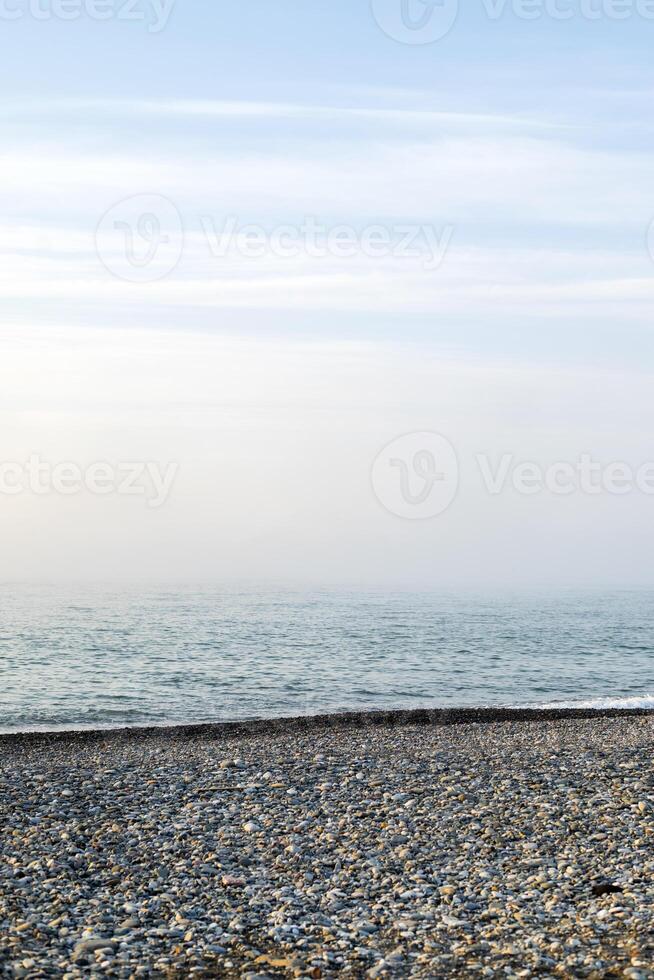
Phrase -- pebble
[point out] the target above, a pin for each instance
(501, 850)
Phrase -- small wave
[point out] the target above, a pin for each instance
(635, 701)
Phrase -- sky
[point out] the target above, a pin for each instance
(354, 288)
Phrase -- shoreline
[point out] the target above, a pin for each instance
(333, 721)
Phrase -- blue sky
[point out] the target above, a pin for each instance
(524, 146)
(531, 138)
(301, 51)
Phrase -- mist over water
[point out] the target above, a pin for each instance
(100, 657)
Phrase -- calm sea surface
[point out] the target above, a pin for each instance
(103, 658)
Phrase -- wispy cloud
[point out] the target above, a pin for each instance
(301, 112)
(540, 226)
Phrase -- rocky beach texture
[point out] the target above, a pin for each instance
(511, 848)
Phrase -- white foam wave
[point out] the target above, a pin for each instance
(635, 701)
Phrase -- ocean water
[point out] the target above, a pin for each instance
(99, 657)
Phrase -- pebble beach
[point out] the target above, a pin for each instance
(516, 847)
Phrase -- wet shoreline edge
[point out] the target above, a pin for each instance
(353, 720)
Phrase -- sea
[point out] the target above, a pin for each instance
(73, 658)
